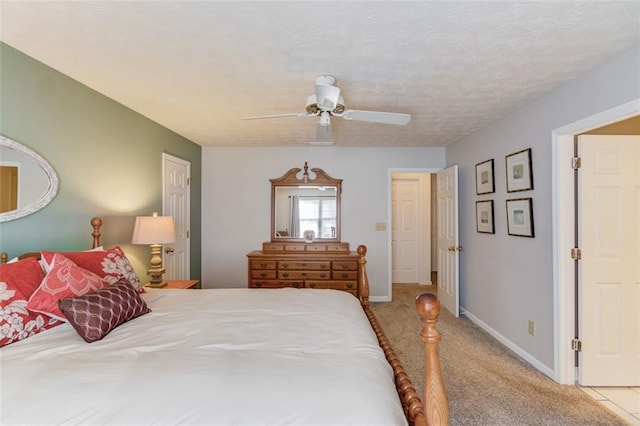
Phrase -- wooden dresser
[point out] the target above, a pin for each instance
(304, 265)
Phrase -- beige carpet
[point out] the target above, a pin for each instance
(487, 384)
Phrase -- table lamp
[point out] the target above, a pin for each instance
(154, 230)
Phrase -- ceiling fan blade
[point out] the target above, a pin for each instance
(293, 114)
(327, 96)
(377, 116)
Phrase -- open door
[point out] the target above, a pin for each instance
(448, 245)
(609, 295)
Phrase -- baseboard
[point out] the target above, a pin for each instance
(509, 344)
(379, 299)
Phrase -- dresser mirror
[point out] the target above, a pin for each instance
(27, 181)
(305, 206)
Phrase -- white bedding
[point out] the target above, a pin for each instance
(214, 357)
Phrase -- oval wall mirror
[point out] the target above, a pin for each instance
(27, 181)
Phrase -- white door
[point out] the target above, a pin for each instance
(176, 202)
(609, 300)
(448, 247)
(404, 230)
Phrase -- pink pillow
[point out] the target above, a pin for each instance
(65, 279)
(111, 264)
(16, 321)
(95, 315)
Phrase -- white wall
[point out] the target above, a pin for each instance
(236, 202)
(506, 281)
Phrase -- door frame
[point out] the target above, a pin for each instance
(564, 298)
(390, 172)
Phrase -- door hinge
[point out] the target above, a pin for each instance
(576, 163)
(576, 253)
(576, 345)
(188, 234)
(188, 181)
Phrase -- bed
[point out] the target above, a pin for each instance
(225, 356)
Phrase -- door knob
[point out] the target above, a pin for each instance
(168, 250)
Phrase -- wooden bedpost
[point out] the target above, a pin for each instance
(435, 396)
(363, 280)
(4, 257)
(96, 223)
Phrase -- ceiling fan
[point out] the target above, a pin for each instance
(326, 102)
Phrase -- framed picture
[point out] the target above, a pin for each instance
(485, 183)
(520, 217)
(519, 171)
(484, 217)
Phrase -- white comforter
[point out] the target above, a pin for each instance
(209, 357)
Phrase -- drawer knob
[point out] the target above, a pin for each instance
(312, 285)
(323, 275)
(258, 285)
(345, 266)
(349, 285)
(323, 266)
(263, 274)
(263, 265)
(343, 275)
(285, 274)
(285, 265)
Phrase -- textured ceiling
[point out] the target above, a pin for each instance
(196, 67)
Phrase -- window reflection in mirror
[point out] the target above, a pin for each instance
(309, 211)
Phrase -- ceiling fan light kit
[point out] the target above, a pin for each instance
(326, 102)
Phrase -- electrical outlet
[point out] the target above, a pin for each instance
(532, 328)
(381, 226)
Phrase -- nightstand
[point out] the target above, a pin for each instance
(182, 284)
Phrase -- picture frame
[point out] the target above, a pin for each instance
(520, 217)
(485, 180)
(519, 171)
(485, 223)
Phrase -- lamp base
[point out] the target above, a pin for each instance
(156, 280)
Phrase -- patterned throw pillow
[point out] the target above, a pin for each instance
(111, 264)
(95, 315)
(65, 279)
(17, 281)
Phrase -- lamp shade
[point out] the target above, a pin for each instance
(153, 230)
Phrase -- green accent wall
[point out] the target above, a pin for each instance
(108, 159)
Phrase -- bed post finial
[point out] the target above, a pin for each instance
(435, 396)
(96, 223)
(4, 257)
(363, 280)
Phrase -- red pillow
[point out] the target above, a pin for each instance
(95, 315)
(111, 264)
(65, 279)
(25, 274)
(16, 322)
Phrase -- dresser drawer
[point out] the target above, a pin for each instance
(344, 275)
(264, 274)
(309, 266)
(336, 285)
(344, 265)
(304, 275)
(263, 264)
(275, 284)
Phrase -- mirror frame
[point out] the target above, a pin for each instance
(291, 179)
(52, 177)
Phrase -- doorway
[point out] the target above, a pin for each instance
(422, 180)
(564, 224)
